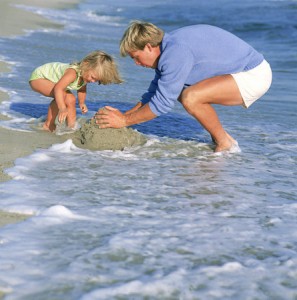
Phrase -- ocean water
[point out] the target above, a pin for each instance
(170, 219)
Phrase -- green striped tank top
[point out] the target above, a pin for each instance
(54, 71)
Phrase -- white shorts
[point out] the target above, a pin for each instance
(254, 83)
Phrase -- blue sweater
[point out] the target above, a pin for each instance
(194, 53)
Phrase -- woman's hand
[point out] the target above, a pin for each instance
(109, 117)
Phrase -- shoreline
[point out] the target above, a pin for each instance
(14, 21)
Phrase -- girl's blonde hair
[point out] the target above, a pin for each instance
(103, 65)
(138, 34)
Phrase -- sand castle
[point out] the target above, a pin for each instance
(90, 136)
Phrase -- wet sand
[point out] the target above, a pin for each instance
(91, 137)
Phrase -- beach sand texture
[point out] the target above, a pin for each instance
(91, 137)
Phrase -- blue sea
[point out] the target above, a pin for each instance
(169, 219)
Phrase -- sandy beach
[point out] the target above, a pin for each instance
(15, 21)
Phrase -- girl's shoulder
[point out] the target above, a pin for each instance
(75, 67)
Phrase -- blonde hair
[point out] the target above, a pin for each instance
(103, 65)
(138, 35)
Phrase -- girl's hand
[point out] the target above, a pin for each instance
(83, 108)
(62, 115)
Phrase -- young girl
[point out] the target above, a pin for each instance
(58, 79)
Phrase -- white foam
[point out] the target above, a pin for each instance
(66, 147)
(18, 124)
(25, 164)
(60, 212)
(235, 148)
(159, 287)
(62, 129)
(105, 19)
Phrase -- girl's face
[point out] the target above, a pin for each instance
(90, 76)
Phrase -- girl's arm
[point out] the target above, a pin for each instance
(59, 92)
(81, 95)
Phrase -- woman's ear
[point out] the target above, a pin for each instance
(149, 47)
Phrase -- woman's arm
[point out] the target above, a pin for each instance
(110, 117)
(133, 109)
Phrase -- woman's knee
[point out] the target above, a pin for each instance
(189, 99)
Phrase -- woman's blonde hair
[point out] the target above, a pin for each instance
(138, 35)
(103, 65)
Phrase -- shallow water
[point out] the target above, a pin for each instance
(170, 219)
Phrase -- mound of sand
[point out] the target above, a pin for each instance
(90, 136)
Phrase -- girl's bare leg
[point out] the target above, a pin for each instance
(46, 88)
(52, 113)
(43, 87)
(197, 100)
(70, 101)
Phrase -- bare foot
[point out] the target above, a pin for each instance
(227, 144)
(231, 138)
(47, 128)
(224, 146)
(72, 126)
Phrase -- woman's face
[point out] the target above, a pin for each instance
(148, 57)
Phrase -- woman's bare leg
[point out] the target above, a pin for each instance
(197, 100)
